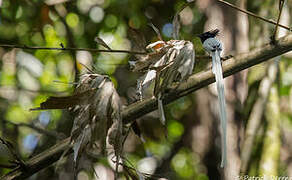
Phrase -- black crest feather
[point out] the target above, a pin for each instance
(209, 34)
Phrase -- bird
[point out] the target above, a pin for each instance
(214, 47)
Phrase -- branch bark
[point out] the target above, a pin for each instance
(204, 78)
(136, 110)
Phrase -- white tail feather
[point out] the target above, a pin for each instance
(160, 109)
(217, 70)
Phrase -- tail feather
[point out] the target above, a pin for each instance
(217, 70)
(160, 109)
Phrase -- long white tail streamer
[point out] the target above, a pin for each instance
(217, 71)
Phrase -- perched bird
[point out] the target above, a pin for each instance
(214, 47)
(169, 62)
(98, 120)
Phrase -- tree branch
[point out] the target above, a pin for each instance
(39, 162)
(204, 78)
(133, 111)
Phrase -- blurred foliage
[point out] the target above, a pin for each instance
(27, 77)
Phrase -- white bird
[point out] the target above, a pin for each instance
(214, 47)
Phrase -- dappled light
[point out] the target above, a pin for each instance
(128, 89)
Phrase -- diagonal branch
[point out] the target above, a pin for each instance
(17, 160)
(202, 79)
(136, 110)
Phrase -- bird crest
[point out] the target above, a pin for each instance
(208, 34)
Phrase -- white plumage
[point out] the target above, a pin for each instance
(214, 48)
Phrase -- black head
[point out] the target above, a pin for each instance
(208, 34)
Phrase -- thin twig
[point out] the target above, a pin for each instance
(94, 172)
(17, 160)
(71, 43)
(156, 30)
(68, 49)
(281, 4)
(254, 15)
(198, 57)
(6, 166)
(38, 129)
(42, 131)
(132, 167)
